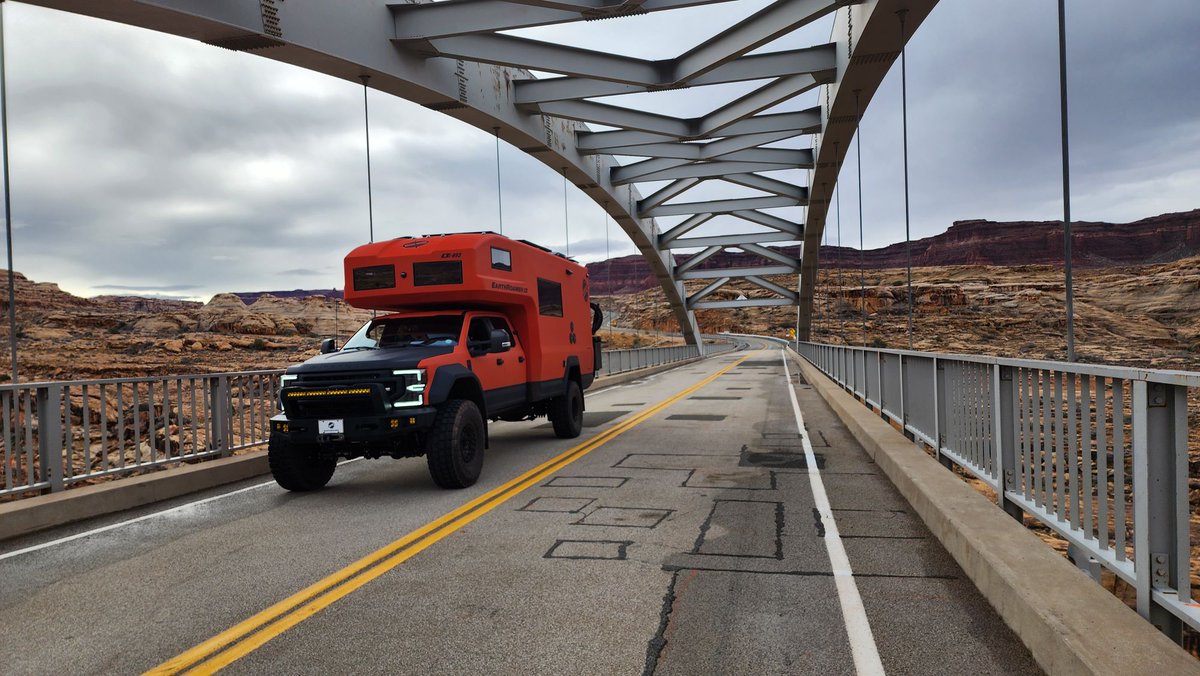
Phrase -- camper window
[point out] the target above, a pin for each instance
(502, 260)
(438, 272)
(550, 301)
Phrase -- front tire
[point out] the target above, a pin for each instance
(298, 468)
(566, 412)
(455, 445)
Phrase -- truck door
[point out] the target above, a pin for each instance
(501, 367)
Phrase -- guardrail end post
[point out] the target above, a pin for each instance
(1004, 438)
(50, 435)
(1161, 507)
(939, 413)
(220, 422)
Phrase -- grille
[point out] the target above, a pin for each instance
(346, 378)
(332, 407)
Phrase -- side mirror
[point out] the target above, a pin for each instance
(500, 342)
(328, 345)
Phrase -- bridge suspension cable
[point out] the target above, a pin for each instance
(566, 215)
(837, 192)
(12, 285)
(367, 129)
(1066, 171)
(862, 256)
(904, 121)
(608, 271)
(499, 194)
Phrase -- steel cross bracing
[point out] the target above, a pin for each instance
(553, 101)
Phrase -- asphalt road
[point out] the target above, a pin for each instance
(681, 534)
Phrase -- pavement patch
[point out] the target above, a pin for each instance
(586, 482)
(747, 529)
(759, 457)
(625, 517)
(560, 505)
(596, 550)
(675, 461)
(730, 478)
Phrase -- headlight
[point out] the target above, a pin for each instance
(410, 387)
(284, 381)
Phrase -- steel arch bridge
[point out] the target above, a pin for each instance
(552, 101)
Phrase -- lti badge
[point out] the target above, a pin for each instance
(330, 426)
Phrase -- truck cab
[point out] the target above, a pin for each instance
(477, 328)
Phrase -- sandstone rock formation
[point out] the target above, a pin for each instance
(1159, 239)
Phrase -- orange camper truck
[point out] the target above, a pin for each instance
(477, 327)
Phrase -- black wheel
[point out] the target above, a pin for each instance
(299, 468)
(454, 449)
(566, 412)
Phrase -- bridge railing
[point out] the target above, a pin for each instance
(1099, 454)
(58, 434)
(55, 435)
(620, 361)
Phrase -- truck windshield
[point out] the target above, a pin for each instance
(436, 330)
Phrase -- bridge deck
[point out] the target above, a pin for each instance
(690, 542)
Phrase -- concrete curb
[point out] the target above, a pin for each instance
(46, 511)
(1070, 624)
(30, 515)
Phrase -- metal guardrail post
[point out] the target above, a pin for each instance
(50, 435)
(879, 378)
(940, 420)
(1160, 499)
(220, 422)
(1004, 438)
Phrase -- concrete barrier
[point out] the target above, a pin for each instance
(1070, 624)
(26, 516)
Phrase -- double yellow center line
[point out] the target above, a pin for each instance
(251, 633)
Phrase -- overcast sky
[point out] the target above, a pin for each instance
(145, 163)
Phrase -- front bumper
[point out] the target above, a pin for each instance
(368, 430)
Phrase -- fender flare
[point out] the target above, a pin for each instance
(446, 377)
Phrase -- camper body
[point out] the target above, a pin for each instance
(475, 327)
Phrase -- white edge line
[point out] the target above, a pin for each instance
(858, 628)
(144, 517)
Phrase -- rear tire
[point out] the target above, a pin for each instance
(566, 412)
(298, 468)
(454, 449)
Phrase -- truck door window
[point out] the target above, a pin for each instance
(479, 335)
(502, 259)
(550, 302)
(502, 325)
